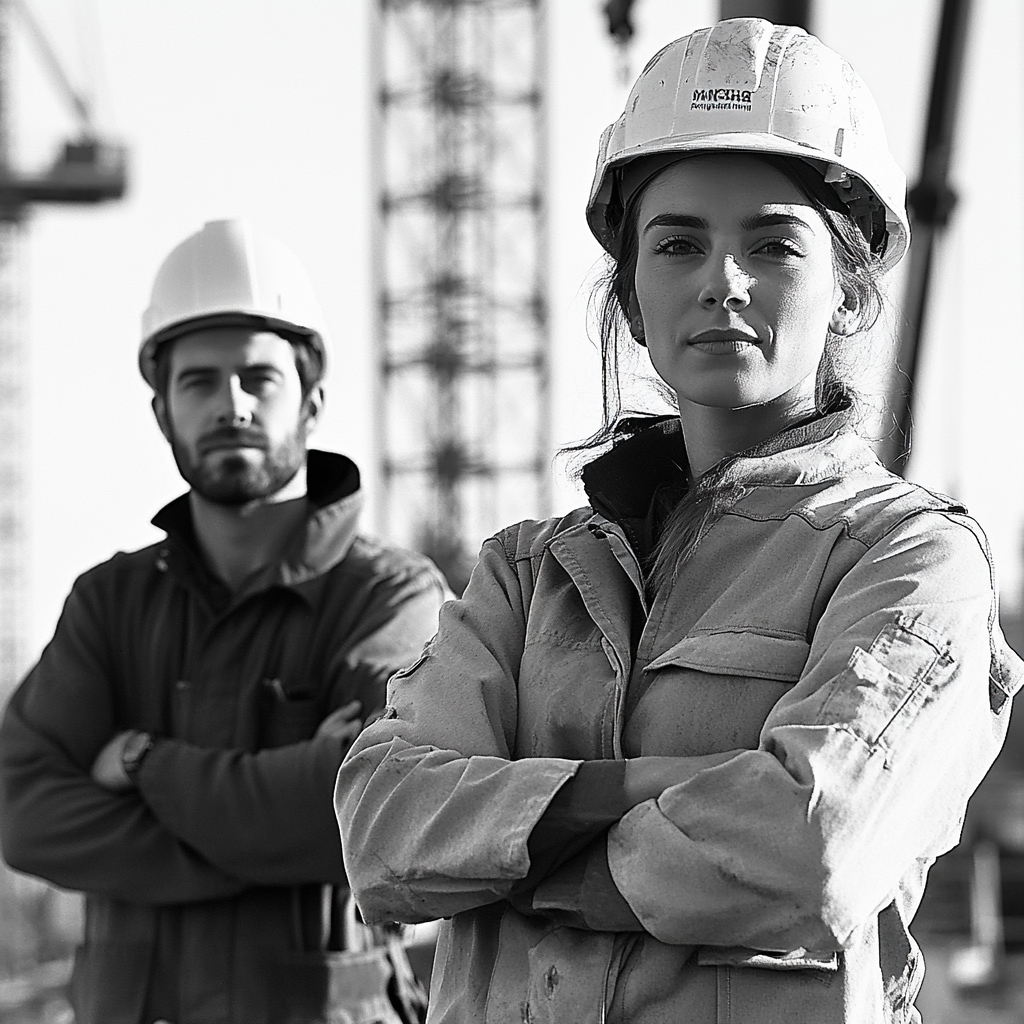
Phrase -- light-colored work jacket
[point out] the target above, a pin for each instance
(836, 624)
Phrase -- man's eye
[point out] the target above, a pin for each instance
(260, 381)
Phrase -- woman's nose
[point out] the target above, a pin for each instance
(728, 284)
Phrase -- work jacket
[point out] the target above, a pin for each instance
(208, 887)
(835, 626)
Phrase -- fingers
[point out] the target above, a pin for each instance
(350, 730)
(349, 710)
(342, 723)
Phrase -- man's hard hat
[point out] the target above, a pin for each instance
(750, 86)
(230, 274)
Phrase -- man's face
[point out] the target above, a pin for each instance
(234, 413)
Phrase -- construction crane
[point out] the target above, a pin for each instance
(86, 170)
(460, 278)
(931, 202)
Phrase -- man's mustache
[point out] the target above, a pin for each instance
(231, 437)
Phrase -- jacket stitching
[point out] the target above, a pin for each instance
(918, 683)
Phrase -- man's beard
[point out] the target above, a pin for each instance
(234, 479)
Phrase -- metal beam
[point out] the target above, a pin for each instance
(931, 203)
(781, 12)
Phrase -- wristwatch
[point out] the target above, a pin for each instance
(134, 752)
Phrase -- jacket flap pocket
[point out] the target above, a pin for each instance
(795, 960)
(349, 986)
(738, 652)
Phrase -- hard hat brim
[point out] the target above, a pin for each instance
(742, 142)
(232, 318)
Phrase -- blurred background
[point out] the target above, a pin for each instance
(443, 227)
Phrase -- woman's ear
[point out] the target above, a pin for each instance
(846, 317)
(635, 318)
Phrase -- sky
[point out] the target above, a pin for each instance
(262, 109)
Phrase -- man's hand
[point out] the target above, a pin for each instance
(343, 723)
(108, 768)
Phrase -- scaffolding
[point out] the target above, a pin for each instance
(462, 402)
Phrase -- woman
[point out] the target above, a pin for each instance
(688, 753)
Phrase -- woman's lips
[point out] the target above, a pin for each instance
(719, 340)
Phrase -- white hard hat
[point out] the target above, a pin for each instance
(229, 274)
(750, 86)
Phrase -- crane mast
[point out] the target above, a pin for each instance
(87, 170)
(460, 269)
(13, 413)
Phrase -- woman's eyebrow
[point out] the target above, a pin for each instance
(773, 220)
(676, 220)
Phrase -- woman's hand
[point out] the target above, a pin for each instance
(648, 777)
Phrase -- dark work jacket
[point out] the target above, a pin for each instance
(206, 886)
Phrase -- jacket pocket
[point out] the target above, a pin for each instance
(284, 718)
(795, 960)
(314, 988)
(548, 974)
(711, 691)
(109, 981)
(882, 689)
(744, 652)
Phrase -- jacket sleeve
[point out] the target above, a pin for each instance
(863, 770)
(279, 801)
(55, 822)
(434, 813)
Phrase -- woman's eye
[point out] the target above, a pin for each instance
(678, 245)
(777, 247)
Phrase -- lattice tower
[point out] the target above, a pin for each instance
(460, 269)
(13, 416)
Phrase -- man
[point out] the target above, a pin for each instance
(174, 752)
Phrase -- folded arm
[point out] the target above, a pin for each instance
(436, 815)
(55, 821)
(864, 767)
(570, 881)
(268, 815)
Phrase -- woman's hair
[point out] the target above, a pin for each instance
(858, 272)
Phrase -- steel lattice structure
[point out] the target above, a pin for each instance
(13, 415)
(13, 412)
(87, 170)
(461, 310)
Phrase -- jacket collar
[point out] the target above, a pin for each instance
(623, 483)
(318, 545)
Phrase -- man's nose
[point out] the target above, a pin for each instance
(727, 284)
(236, 405)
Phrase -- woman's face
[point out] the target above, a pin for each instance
(735, 283)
